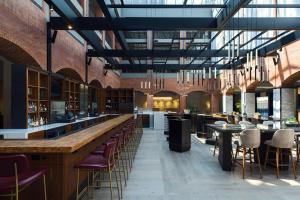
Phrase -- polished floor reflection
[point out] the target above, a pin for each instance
(159, 174)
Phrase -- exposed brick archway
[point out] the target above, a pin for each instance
(16, 54)
(70, 73)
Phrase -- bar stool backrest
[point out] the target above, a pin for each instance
(9, 162)
(220, 122)
(109, 151)
(283, 138)
(250, 138)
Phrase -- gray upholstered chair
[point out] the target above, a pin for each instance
(282, 139)
(216, 135)
(250, 141)
(236, 138)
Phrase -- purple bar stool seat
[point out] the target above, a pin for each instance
(15, 175)
(94, 162)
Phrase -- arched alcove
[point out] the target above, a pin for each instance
(70, 73)
(140, 99)
(166, 101)
(199, 101)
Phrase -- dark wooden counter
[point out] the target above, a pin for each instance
(60, 155)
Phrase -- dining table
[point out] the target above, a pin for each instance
(227, 131)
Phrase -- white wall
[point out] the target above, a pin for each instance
(227, 102)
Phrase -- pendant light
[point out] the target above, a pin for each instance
(215, 73)
(229, 49)
(209, 73)
(142, 84)
(182, 76)
(188, 76)
(247, 63)
(193, 72)
(198, 74)
(238, 47)
(233, 49)
(178, 74)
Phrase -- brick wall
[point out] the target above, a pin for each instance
(24, 25)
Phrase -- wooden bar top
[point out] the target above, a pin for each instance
(65, 144)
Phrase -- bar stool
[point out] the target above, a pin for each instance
(216, 134)
(118, 161)
(236, 138)
(99, 163)
(250, 139)
(282, 139)
(16, 175)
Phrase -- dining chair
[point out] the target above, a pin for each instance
(216, 135)
(250, 141)
(282, 139)
(16, 175)
(236, 137)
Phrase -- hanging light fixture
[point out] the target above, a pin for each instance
(238, 47)
(188, 76)
(209, 73)
(233, 49)
(178, 75)
(247, 63)
(198, 74)
(193, 71)
(229, 49)
(142, 84)
(215, 73)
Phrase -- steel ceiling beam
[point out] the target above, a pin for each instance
(167, 23)
(232, 7)
(118, 34)
(161, 53)
(197, 6)
(69, 14)
(158, 67)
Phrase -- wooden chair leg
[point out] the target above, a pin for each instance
(236, 152)
(258, 160)
(244, 157)
(250, 155)
(277, 162)
(267, 155)
(293, 164)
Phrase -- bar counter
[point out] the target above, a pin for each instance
(60, 155)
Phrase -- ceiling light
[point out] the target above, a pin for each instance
(70, 26)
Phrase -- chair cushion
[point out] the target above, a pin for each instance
(93, 162)
(26, 178)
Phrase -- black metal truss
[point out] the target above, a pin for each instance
(197, 6)
(69, 14)
(161, 53)
(174, 23)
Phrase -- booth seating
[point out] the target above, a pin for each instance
(114, 157)
(16, 175)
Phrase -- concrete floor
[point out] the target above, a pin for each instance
(159, 174)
